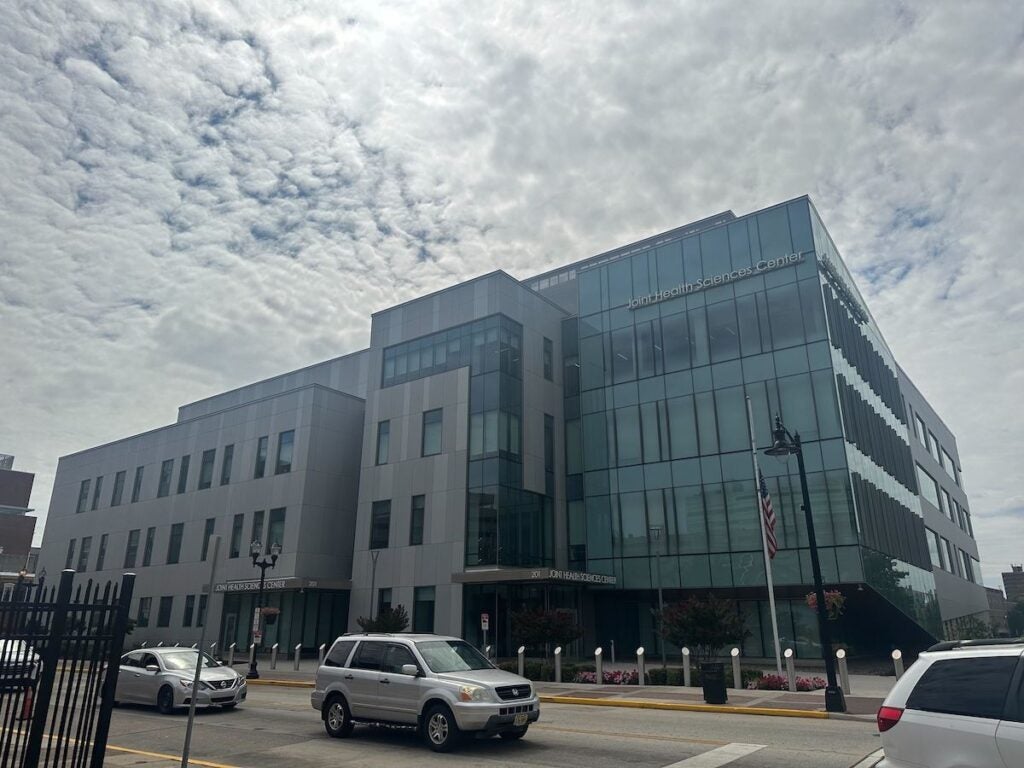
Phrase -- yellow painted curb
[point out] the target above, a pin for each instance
(730, 710)
(282, 683)
(172, 758)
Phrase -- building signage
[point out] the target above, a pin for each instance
(683, 289)
(574, 576)
(254, 585)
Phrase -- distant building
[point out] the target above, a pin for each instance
(997, 608)
(17, 556)
(1013, 583)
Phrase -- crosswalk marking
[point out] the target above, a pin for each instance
(718, 757)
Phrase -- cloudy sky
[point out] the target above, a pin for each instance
(197, 195)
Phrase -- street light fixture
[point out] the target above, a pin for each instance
(655, 533)
(784, 444)
(262, 563)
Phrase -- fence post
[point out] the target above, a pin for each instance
(521, 653)
(119, 625)
(50, 657)
(641, 676)
(273, 656)
(231, 654)
(737, 678)
(897, 662)
(790, 670)
(558, 664)
(322, 653)
(298, 653)
(686, 667)
(844, 672)
(598, 667)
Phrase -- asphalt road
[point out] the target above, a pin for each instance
(277, 727)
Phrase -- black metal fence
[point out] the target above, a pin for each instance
(60, 648)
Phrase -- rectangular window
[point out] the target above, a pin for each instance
(383, 600)
(142, 617)
(419, 505)
(934, 549)
(96, 492)
(432, 432)
(190, 606)
(201, 613)
(137, 484)
(131, 551)
(933, 447)
(163, 615)
(225, 464)
(380, 524)
(236, 535)
(257, 526)
(423, 610)
(929, 488)
(275, 529)
(949, 510)
(70, 559)
(922, 431)
(549, 455)
(965, 564)
(950, 552)
(549, 359)
(383, 441)
(206, 469)
(166, 470)
(174, 545)
(972, 687)
(101, 556)
(83, 555)
(118, 492)
(949, 464)
(147, 552)
(211, 524)
(83, 496)
(261, 458)
(183, 474)
(285, 448)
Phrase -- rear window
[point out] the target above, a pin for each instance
(339, 653)
(973, 687)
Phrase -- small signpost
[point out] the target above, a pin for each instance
(485, 624)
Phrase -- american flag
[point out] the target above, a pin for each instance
(769, 517)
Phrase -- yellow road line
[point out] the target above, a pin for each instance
(173, 758)
(672, 706)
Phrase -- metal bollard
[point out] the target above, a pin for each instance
(487, 652)
(897, 662)
(160, 644)
(273, 656)
(641, 676)
(298, 655)
(522, 660)
(790, 670)
(177, 644)
(231, 654)
(322, 653)
(613, 651)
(737, 678)
(598, 667)
(558, 664)
(252, 654)
(844, 673)
(686, 667)
(195, 646)
(143, 644)
(213, 650)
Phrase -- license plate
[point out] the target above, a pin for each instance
(520, 719)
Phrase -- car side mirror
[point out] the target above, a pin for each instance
(410, 669)
(152, 668)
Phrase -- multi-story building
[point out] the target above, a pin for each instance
(507, 444)
(1013, 583)
(17, 555)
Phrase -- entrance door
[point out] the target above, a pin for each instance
(230, 626)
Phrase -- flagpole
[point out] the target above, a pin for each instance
(764, 541)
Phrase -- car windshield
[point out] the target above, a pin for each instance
(185, 660)
(451, 656)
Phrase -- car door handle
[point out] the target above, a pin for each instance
(348, 677)
(385, 681)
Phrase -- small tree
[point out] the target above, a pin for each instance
(387, 620)
(703, 626)
(1015, 619)
(540, 627)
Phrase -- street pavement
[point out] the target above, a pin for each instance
(277, 727)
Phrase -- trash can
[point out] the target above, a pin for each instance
(712, 680)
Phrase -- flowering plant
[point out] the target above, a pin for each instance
(781, 683)
(834, 602)
(618, 677)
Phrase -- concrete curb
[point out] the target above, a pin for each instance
(726, 709)
(281, 683)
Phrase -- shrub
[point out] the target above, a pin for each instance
(387, 620)
(771, 682)
(617, 677)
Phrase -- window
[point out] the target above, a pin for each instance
(211, 524)
(236, 535)
(396, 657)
(432, 432)
(949, 505)
(225, 464)
(922, 431)
(972, 687)
(261, 458)
(380, 524)
(101, 556)
(83, 555)
(549, 359)
(950, 555)
(142, 617)
(83, 496)
(163, 614)
(383, 441)
(965, 563)
(339, 653)
(96, 492)
(419, 504)
(201, 613)
(147, 552)
(206, 469)
(137, 484)
(118, 492)
(257, 526)
(935, 549)
(166, 470)
(383, 600)
(174, 545)
(929, 488)
(132, 550)
(275, 529)
(190, 606)
(933, 447)
(183, 474)
(70, 559)
(368, 656)
(549, 455)
(285, 448)
(423, 610)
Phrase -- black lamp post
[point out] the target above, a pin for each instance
(262, 563)
(783, 445)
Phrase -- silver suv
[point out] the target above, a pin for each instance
(441, 685)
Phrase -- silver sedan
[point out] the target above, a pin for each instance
(163, 676)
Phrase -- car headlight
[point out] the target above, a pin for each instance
(472, 693)
(186, 684)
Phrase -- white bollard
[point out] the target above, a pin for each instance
(897, 662)
(558, 664)
(613, 651)
(790, 669)
(195, 646)
(522, 660)
(298, 655)
(641, 676)
(487, 652)
(844, 673)
(598, 667)
(322, 653)
(737, 678)
(213, 650)
(160, 644)
(143, 644)
(231, 654)
(273, 656)
(252, 654)
(686, 667)
(176, 645)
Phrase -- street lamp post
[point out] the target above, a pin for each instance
(783, 445)
(262, 563)
(655, 533)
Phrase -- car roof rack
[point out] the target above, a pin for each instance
(951, 645)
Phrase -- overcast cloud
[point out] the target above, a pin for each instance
(197, 195)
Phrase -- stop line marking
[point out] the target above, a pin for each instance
(715, 758)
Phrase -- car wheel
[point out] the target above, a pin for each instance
(440, 729)
(337, 718)
(516, 734)
(165, 700)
